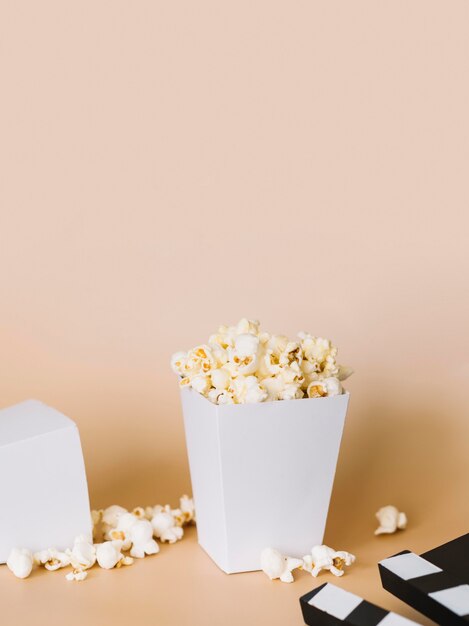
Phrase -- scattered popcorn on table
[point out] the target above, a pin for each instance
(325, 558)
(275, 565)
(242, 364)
(122, 530)
(390, 519)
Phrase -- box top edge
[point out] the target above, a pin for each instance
(29, 419)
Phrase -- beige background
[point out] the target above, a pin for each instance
(169, 166)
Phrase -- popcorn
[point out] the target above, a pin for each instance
(273, 348)
(76, 574)
(109, 555)
(52, 559)
(222, 339)
(247, 326)
(292, 354)
(20, 562)
(324, 387)
(178, 362)
(187, 508)
(136, 534)
(83, 554)
(291, 392)
(96, 517)
(141, 536)
(390, 519)
(220, 379)
(247, 389)
(221, 397)
(183, 515)
(320, 352)
(201, 383)
(139, 512)
(165, 526)
(246, 344)
(273, 386)
(291, 379)
(122, 530)
(110, 517)
(275, 565)
(325, 558)
(242, 364)
(199, 360)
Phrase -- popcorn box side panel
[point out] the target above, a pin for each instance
(43, 491)
(202, 440)
(278, 461)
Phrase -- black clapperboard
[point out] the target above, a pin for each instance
(435, 583)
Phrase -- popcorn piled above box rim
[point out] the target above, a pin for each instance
(122, 531)
(242, 364)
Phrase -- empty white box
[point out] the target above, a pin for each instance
(43, 491)
(261, 474)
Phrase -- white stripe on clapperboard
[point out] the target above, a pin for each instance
(408, 566)
(340, 603)
(455, 599)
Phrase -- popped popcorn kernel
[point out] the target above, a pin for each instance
(390, 519)
(76, 574)
(20, 562)
(325, 558)
(275, 565)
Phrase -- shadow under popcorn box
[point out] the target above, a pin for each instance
(262, 474)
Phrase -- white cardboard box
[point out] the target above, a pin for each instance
(43, 491)
(261, 474)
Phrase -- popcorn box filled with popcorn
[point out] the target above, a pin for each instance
(264, 416)
(43, 489)
(262, 474)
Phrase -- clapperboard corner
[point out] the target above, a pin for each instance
(436, 584)
(330, 605)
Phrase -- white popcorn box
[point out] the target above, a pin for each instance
(261, 474)
(43, 491)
